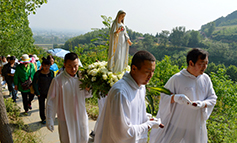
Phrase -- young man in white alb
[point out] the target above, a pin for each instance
(124, 118)
(184, 114)
(67, 100)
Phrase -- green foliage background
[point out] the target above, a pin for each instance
(222, 124)
(170, 49)
(15, 33)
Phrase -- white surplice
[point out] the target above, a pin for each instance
(123, 118)
(67, 100)
(101, 103)
(184, 123)
(118, 50)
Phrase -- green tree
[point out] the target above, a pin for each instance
(194, 38)
(15, 38)
(147, 41)
(178, 36)
(164, 37)
(232, 72)
(16, 35)
(211, 28)
(104, 33)
(222, 124)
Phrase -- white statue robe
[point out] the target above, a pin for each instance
(67, 100)
(123, 118)
(118, 50)
(184, 123)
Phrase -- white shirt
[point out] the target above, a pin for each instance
(67, 100)
(183, 123)
(3, 63)
(123, 118)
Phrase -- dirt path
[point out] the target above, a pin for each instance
(33, 120)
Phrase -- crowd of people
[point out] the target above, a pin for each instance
(30, 77)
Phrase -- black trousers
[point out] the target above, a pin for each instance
(27, 98)
(11, 89)
(9, 85)
(41, 100)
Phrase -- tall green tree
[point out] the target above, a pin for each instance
(164, 37)
(15, 38)
(178, 36)
(147, 41)
(194, 38)
(15, 33)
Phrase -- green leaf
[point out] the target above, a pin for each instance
(148, 109)
(151, 103)
(161, 90)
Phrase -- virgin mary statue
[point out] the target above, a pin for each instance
(118, 45)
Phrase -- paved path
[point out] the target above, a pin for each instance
(33, 120)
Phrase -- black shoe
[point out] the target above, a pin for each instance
(43, 122)
(29, 106)
(92, 134)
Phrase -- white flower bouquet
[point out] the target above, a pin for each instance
(99, 78)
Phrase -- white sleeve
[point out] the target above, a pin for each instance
(88, 94)
(120, 116)
(210, 101)
(51, 105)
(165, 106)
(211, 97)
(126, 34)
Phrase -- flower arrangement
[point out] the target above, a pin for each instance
(99, 78)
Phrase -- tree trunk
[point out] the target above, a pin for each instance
(5, 130)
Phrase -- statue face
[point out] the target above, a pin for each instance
(121, 17)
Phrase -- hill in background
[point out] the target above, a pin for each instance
(230, 19)
(222, 29)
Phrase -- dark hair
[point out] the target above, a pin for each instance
(30, 56)
(140, 57)
(3, 57)
(45, 61)
(70, 56)
(50, 57)
(8, 58)
(12, 58)
(196, 53)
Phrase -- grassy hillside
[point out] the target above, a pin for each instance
(227, 34)
(223, 29)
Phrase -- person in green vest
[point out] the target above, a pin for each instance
(22, 80)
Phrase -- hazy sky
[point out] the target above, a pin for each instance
(145, 16)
